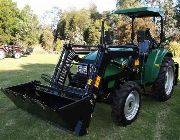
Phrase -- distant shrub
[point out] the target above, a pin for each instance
(174, 47)
(58, 45)
(47, 39)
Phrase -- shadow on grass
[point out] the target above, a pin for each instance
(26, 73)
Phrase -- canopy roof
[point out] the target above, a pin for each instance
(141, 12)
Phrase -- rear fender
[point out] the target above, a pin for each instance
(153, 64)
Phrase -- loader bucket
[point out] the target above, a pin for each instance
(73, 115)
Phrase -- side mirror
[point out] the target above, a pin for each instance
(109, 35)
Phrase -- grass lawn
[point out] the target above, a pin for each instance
(156, 121)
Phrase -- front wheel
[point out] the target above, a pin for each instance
(126, 104)
(17, 55)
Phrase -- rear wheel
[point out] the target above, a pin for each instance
(126, 104)
(2, 54)
(17, 55)
(163, 86)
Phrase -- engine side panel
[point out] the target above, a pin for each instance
(111, 71)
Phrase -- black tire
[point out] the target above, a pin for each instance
(119, 101)
(2, 54)
(158, 89)
(17, 55)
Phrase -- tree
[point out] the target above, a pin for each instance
(123, 29)
(51, 17)
(9, 14)
(28, 27)
(95, 15)
(169, 21)
(58, 45)
(47, 38)
(170, 16)
(72, 25)
(152, 3)
(17, 26)
(177, 16)
(93, 33)
(123, 24)
(127, 3)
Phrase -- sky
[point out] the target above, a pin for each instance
(40, 6)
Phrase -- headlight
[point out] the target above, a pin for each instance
(82, 69)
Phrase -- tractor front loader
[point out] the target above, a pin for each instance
(119, 74)
(66, 106)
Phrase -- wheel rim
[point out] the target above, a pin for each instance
(17, 55)
(2, 55)
(131, 105)
(169, 81)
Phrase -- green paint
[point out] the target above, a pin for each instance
(153, 64)
(111, 70)
(141, 12)
(111, 84)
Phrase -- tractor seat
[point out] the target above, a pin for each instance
(144, 46)
(143, 42)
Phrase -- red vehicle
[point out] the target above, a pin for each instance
(14, 51)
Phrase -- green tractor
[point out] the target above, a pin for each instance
(117, 74)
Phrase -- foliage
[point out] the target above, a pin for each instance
(9, 14)
(178, 15)
(174, 47)
(58, 45)
(127, 3)
(93, 33)
(47, 38)
(95, 15)
(28, 30)
(72, 25)
(16, 25)
(123, 29)
(170, 21)
(51, 17)
(82, 26)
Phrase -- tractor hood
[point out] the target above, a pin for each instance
(92, 56)
(111, 70)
